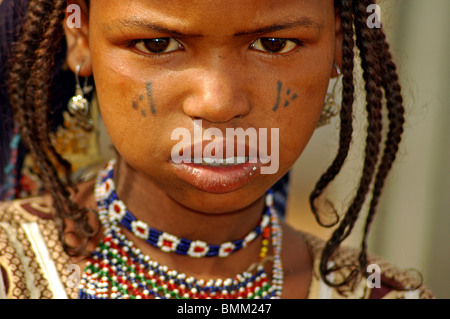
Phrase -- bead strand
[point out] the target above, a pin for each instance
(119, 270)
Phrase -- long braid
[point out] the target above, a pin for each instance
(394, 103)
(30, 91)
(346, 128)
(367, 45)
(39, 88)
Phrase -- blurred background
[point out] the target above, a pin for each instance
(412, 226)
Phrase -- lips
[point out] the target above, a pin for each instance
(218, 179)
(214, 174)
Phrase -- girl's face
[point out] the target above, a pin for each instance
(160, 65)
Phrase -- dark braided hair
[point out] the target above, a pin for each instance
(30, 78)
(381, 80)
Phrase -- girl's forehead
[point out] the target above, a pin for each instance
(238, 16)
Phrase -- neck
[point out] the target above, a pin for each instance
(150, 204)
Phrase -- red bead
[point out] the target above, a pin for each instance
(198, 249)
(167, 243)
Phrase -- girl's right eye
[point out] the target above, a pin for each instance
(157, 45)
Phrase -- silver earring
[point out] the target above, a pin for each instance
(330, 108)
(78, 105)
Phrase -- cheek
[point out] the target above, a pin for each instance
(298, 120)
(126, 112)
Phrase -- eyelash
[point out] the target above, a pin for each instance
(297, 43)
(133, 43)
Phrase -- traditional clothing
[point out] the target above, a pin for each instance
(34, 264)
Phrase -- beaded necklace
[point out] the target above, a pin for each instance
(118, 270)
(168, 242)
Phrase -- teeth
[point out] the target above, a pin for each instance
(228, 161)
(236, 160)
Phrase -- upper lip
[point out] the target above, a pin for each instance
(249, 153)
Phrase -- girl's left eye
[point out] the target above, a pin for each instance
(157, 45)
(275, 45)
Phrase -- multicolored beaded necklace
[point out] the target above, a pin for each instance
(118, 270)
(168, 242)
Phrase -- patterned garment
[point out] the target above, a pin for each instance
(34, 265)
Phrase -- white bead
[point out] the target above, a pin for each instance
(190, 280)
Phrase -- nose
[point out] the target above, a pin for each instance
(217, 94)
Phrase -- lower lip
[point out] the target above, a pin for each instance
(217, 179)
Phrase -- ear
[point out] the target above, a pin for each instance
(76, 28)
(338, 43)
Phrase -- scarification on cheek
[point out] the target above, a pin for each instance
(150, 97)
(136, 104)
(283, 97)
(142, 106)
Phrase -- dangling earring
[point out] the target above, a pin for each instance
(73, 137)
(330, 108)
(78, 105)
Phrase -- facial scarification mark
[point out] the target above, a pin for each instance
(289, 96)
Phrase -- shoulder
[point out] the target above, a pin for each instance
(33, 263)
(385, 282)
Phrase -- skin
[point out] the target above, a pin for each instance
(216, 77)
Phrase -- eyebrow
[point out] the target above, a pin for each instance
(302, 22)
(145, 25)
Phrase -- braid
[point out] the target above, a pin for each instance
(394, 103)
(379, 73)
(30, 80)
(346, 109)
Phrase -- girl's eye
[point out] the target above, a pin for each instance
(275, 45)
(157, 45)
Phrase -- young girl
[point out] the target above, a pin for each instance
(168, 76)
